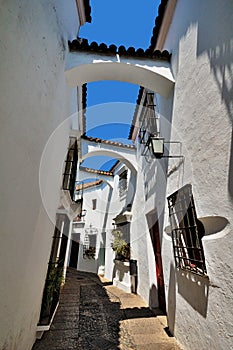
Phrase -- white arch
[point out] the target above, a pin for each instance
(83, 67)
(103, 152)
(84, 175)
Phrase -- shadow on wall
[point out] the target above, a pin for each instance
(171, 302)
(101, 253)
(120, 270)
(153, 296)
(194, 289)
(221, 65)
(216, 42)
(219, 49)
(131, 189)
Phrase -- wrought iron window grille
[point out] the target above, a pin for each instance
(69, 175)
(89, 244)
(187, 232)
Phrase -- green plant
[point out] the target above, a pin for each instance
(53, 283)
(120, 246)
(90, 253)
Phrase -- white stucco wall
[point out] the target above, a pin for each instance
(149, 200)
(200, 39)
(99, 221)
(34, 101)
(109, 205)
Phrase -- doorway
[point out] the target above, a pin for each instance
(74, 254)
(153, 224)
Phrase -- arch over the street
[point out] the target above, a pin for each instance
(109, 153)
(83, 67)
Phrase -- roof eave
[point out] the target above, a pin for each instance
(84, 11)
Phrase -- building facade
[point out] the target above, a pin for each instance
(35, 100)
(196, 127)
(170, 196)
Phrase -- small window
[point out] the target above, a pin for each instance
(123, 183)
(94, 203)
(187, 231)
(89, 246)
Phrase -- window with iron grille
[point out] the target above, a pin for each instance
(187, 231)
(148, 119)
(69, 175)
(89, 246)
(123, 183)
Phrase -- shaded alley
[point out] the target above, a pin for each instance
(93, 314)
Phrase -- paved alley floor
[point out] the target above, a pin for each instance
(93, 315)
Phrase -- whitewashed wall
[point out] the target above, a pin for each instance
(109, 205)
(98, 220)
(200, 39)
(34, 101)
(149, 197)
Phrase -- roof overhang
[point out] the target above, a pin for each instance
(84, 11)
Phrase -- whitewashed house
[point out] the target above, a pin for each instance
(107, 202)
(194, 184)
(181, 212)
(35, 100)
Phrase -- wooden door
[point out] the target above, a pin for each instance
(155, 239)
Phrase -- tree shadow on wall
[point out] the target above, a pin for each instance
(219, 49)
(221, 66)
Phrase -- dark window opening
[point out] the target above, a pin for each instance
(69, 176)
(122, 183)
(94, 204)
(187, 231)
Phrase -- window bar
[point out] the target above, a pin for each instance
(187, 245)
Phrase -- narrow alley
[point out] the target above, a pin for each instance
(93, 314)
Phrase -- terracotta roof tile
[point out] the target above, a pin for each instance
(88, 184)
(108, 142)
(158, 22)
(81, 44)
(96, 171)
(140, 93)
(87, 10)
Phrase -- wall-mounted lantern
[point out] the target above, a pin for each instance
(156, 146)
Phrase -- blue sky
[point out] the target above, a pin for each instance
(110, 105)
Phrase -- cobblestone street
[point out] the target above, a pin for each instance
(93, 314)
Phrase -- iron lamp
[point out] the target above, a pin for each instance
(156, 146)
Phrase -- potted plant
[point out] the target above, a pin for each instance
(120, 246)
(89, 253)
(51, 293)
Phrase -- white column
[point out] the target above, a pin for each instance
(67, 249)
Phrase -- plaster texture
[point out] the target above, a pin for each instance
(34, 101)
(198, 118)
(198, 308)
